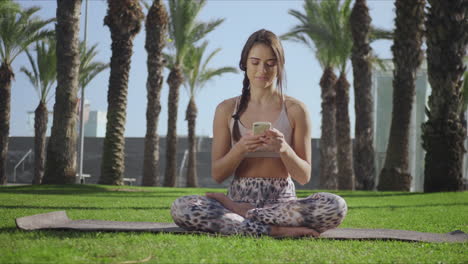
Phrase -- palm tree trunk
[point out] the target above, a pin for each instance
(175, 79)
(343, 139)
(40, 129)
(6, 75)
(191, 117)
(156, 33)
(328, 151)
(61, 150)
(124, 21)
(444, 132)
(363, 154)
(407, 59)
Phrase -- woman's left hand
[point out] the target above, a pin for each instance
(273, 140)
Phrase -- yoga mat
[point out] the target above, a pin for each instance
(59, 220)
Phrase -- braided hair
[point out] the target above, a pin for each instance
(270, 39)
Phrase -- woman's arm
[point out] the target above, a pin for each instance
(297, 156)
(224, 159)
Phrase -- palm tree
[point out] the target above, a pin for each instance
(197, 74)
(444, 133)
(326, 25)
(363, 152)
(319, 26)
(18, 30)
(407, 57)
(465, 100)
(156, 36)
(43, 75)
(61, 148)
(184, 30)
(124, 21)
(339, 24)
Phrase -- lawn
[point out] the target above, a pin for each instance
(436, 212)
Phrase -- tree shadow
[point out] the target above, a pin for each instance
(70, 189)
(358, 194)
(84, 189)
(61, 208)
(69, 233)
(405, 206)
(9, 230)
(379, 194)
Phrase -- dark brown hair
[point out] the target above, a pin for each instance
(270, 39)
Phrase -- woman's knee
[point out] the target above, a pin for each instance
(181, 208)
(330, 210)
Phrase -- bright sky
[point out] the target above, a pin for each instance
(243, 17)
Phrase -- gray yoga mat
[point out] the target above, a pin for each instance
(59, 220)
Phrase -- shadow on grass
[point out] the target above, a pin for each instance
(53, 189)
(405, 206)
(9, 230)
(357, 194)
(377, 194)
(60, 208)
(78, 189)
(67, 233)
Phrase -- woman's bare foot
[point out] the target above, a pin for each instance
(289, 231)
(238, 208)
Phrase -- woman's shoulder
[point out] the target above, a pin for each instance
(295, 106)
(227, 105)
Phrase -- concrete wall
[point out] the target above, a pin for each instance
(134, 153)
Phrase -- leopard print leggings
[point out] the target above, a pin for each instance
(275, 204)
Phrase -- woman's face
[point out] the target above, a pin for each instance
(262, 66)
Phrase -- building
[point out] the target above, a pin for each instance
(96, 124)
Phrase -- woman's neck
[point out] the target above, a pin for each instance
(264, 95)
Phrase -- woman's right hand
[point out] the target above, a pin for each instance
(249, 143)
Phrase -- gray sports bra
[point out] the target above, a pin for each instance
(282, 124)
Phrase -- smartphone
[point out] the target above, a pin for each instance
(260, 127)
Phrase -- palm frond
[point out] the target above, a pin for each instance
(380, 33)
(321, 29)
(89, 68)
(32, 79)
(90, 72)
(20, 29)
(201, 29)
(43, 74)
(209, 58)
(184, 29)
(169, 60)
(209, 74)
(196, 69)
(182, 21)
(8, 6)
(380, 63)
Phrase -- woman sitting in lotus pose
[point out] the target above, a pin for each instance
(261, 199)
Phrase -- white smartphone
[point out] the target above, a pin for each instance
(260, 127)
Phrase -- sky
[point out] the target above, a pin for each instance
(242, 18)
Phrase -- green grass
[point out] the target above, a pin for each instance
(437, 212)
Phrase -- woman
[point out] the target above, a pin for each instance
(261, 199)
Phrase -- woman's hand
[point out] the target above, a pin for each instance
(249, 143)
(273, 140)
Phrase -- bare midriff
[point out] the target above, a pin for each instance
(261, 168)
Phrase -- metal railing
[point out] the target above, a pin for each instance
(21, 163)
